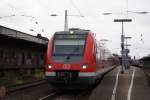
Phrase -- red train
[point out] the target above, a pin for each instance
(75, 58)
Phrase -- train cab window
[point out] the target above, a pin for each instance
(68, 48)
(74, 47)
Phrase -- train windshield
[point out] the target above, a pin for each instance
(68, 47)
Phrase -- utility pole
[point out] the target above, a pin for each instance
(66, 21)
(123, 52)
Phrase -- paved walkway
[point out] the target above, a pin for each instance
(131, 85)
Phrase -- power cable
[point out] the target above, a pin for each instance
(13, 8)
(72, 2)
(79, 11)
(126, 8)
(45, 6)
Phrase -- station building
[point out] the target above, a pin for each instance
(21, 55)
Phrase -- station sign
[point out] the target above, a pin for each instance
(122, 20)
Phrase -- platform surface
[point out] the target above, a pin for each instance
(132, 85)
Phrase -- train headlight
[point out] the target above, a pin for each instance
(49, 66)
(84, 67)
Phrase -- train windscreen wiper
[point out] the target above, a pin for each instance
(75, 50)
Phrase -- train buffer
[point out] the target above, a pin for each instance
(132, 85)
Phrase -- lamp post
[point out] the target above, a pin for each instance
(122, 42)
(122, 35)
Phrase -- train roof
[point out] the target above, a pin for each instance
(74, 31)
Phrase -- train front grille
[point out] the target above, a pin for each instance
(67, 75)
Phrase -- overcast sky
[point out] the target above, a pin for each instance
(22, 15)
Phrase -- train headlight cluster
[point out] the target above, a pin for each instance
(71, 32)
(84, 67)
(49, 66)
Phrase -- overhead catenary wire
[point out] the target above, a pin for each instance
(126, 8)
(80, 13)
(48, 8)
(14, 9)
(19, 13)
(73, 4)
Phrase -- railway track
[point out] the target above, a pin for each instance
(24, 86)
(68, 95)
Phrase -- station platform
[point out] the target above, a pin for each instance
(132, 85)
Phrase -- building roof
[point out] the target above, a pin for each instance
(21, 35)
(146, 57)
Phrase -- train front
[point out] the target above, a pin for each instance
(66, 61)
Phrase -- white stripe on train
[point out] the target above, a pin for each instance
(85, 74)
